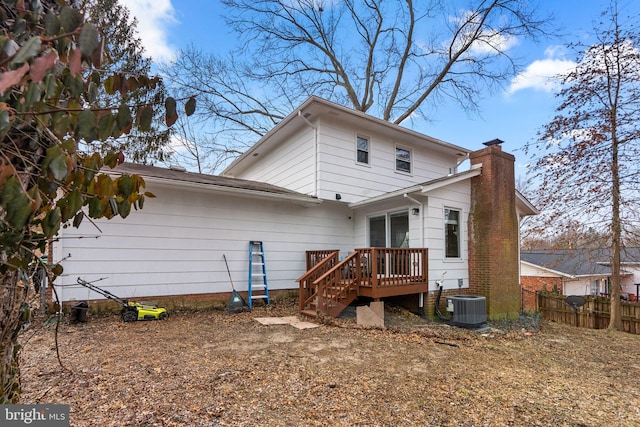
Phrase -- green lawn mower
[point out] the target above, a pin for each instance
(131, 311)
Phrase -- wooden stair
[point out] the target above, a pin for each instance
(329, 285)
(333, 302)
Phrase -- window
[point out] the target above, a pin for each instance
(362, 150)
(595, 287)
(403, 160)
(452, 233)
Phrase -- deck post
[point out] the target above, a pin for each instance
(374, 271)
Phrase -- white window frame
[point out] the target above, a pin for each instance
(459, 235)
(368, 151)
(387, 216)
(396, 159)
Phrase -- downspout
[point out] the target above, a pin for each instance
(315, 151)
(419, 203)
(520, 264)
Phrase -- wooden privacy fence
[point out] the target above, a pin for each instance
(594, 314)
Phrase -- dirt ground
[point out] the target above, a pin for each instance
(210, 368)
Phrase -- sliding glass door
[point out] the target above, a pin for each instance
(389, 231)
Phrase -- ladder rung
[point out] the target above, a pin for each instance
(257, 272)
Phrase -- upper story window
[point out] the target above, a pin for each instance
(403, 160)
(452, 233)
(362, 150)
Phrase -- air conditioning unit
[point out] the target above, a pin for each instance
(468, 311)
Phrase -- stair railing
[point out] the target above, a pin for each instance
(307, 290)
(338, 286)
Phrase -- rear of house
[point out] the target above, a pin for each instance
(326, 177)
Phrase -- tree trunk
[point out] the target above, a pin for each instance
(615, 321)
(12, 295)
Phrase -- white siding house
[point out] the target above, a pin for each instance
(175, 244)
(326, 177)
(581, 271)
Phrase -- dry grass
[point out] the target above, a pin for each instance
(213, 369)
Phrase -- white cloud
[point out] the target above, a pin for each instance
(488, 42)
(155, 17)
(544, 74)
(492, 42)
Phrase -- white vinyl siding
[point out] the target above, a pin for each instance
(175, 244)
(339, 174)
(290, 165)
(457, 195)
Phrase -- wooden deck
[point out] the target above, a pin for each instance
(330, 285)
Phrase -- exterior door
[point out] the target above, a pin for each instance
(389, 231)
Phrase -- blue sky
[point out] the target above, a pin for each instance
(514, 115)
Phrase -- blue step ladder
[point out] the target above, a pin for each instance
(258, 287)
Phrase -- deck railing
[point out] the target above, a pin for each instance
(371, 272)
(338, 286)
(385, 267)
(315, 257)
(318, 263)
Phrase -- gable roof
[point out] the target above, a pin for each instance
(315, 107)
(524, 206)
(212, 182)
(578, 262)
(419, 188)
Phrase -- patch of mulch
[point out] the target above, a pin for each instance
(209, 368)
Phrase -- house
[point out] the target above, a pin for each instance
(325, 180)
(576, 272)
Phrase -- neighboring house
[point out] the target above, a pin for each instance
(326, 177)
(576, 272)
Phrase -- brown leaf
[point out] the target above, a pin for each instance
(13, 77)
(42, 64)
(75, 61)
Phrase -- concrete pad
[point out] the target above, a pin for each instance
(372, 315)
(275, 320)
(289, 320)
(304, 325)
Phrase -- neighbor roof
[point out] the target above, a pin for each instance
(578, 262)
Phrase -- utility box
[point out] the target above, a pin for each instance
(468, 311)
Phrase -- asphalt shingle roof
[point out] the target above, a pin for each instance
(578, 262)
(214, 180)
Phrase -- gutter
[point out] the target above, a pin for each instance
(298, 198)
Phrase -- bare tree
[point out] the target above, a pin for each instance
(394, 59)
(197, 150)
(589, 172)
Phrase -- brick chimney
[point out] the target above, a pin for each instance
(493, 233)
